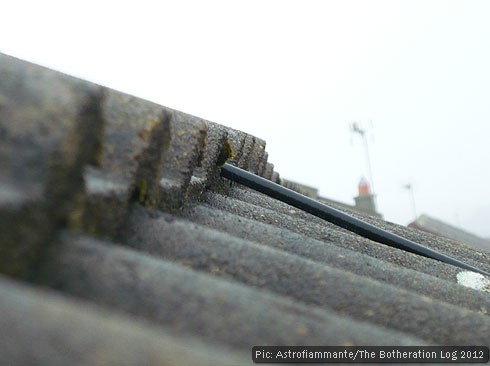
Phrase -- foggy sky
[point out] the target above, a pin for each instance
(414, 74)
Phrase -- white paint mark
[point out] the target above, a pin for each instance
(101, 185)
(11, 195)
(474, 280)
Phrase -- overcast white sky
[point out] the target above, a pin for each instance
(415, 74)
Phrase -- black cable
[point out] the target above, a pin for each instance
(335, 216)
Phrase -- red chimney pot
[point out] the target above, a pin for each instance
(364, 189)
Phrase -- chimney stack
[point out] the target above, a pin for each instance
(365, 199)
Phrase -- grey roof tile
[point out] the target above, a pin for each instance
(49, 129)
(237, 141)
(120, 238)
(275, 270)
(338, 257)
(478, 257)
(129, 164)
(276, 177)
(43, 328)
(189, 302)
(248, 145)
(185, 153)
(269, 168)
(263, 164)
(215, 138)
(257, 157)
(331, 233)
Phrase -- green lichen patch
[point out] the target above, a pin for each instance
(140, 191)
(225, 154)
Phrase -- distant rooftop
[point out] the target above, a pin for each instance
(438, 227)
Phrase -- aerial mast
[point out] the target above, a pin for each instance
(356, 128)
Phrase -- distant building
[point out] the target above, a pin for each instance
(365, 201)
(434, 226)
(300, 188)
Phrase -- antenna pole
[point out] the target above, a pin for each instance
(357, 129)
(412, 199)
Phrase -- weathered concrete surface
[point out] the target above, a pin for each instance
(105, 206)
(237, 141)
(466, 253)
(328, 232)
(50, 127)
(44, 328)
(245, 156)
(479, 258)
(78, 156)
(215, 139)
(257, 156)
(327, 253)
(185, 153)
(276, 177)
(263, 164)
(277, 271)
(216, 151)
(189, 302)
(136, 137)
(269, 169)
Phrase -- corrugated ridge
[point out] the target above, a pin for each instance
(338, 257)
(86, 172)
(286, 274)
(331, 233)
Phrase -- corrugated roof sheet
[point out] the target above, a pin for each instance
(120, 243)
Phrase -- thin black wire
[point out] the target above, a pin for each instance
(336, 217)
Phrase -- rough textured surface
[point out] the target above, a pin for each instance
(257, 156)
(216, 152)
(136, 136)
(187, 301)
(47, 135)
(120, 244)
(215, 139)
(237, 141)
(328, 253)
(263, 164)
(269, 168)
(186, 150)
(204, 249)
(328, 232)
(129, 168)
(43, 328)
